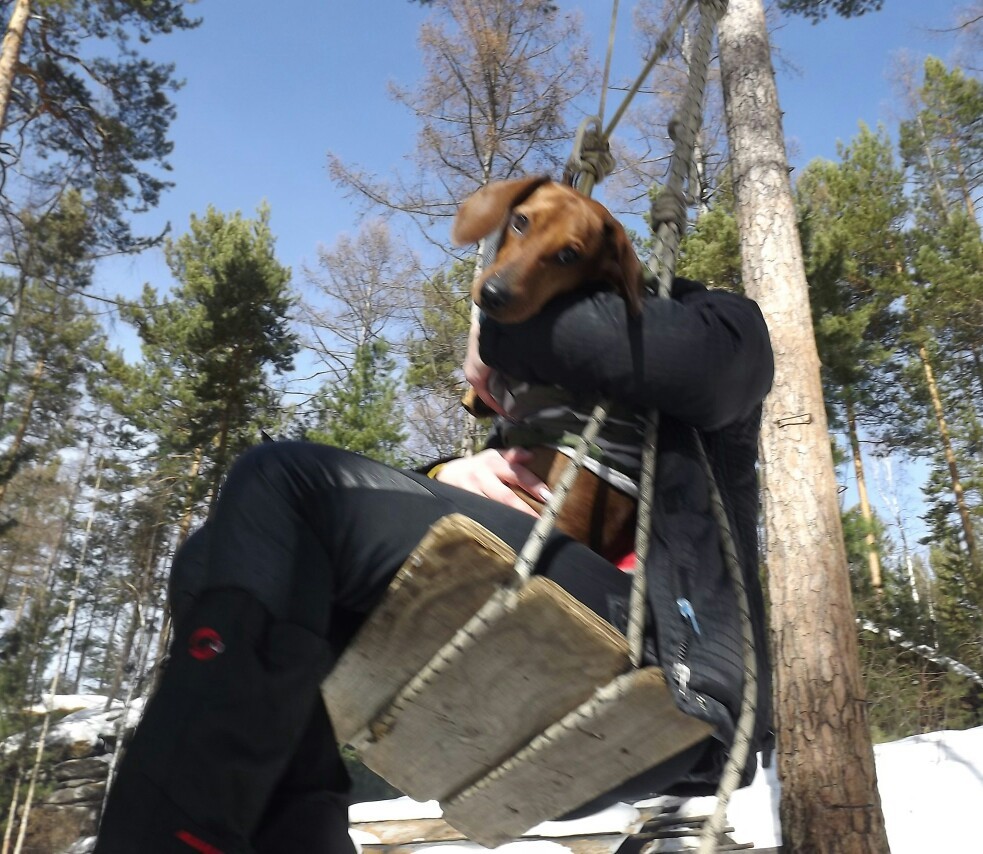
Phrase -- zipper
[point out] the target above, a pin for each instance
(680, 669)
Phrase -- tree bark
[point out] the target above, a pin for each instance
(830, 800)
(188, 514)
(873, 558)
(10, 54)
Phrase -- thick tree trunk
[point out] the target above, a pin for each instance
(873, 558)
(10, 54)
(830, 801)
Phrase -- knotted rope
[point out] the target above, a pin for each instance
(590, 162)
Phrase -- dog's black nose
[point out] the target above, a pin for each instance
(495, 294)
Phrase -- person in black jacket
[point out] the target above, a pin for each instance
(235, 751)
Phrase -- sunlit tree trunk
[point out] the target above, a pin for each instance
(69, 623)
(873, 558)
(188, 515)
(10, 54)
(12, 814)
(958, 493)
(141, 595)
(829, 796)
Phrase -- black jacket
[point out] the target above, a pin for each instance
(704, 360)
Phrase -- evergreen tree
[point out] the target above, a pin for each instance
(360, 414)
(817, 10)
(942, 144)
(203, 386)
(78, 100)
(852, 216)
(51, 342)
(435, 354)
(710, 251)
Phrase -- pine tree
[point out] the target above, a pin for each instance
(853, 214)
(710, 251)
(817, 10)
(80, 105)
(203, 386)
(51, 341)
(435, 354)
(942, 144)
(360, 413)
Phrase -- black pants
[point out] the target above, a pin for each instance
(315, 535)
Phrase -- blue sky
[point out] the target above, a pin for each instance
(270, 88)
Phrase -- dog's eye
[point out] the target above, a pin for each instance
(567, 255)
(520, 222)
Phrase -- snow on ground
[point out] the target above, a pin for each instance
(931, 785)
(86, 720)
(71, 703)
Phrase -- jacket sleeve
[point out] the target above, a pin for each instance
(703, 357)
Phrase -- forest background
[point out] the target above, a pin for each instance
(297, 279)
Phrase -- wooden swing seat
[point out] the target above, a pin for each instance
(510, 703)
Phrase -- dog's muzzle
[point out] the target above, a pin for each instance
(495, 294)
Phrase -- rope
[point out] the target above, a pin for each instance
(669, 208)
(533, 547)
(590, 162)
(730, 778)
(668, 214)
(607, 59)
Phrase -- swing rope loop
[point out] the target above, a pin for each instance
(591, 160)
(589, 164)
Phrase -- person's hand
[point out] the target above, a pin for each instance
(477, 373)
(492, 473)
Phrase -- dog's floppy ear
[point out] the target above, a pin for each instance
(483, 212)
(621, 268)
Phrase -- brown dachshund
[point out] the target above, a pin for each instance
(554, 240)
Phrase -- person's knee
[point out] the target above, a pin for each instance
(287, 468)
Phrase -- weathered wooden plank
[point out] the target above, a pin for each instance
(406, 835)
(544, 655)
(455, 569)
(442, 690)
(625, 729)
(576, 845)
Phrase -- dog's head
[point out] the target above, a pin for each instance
(553, 240)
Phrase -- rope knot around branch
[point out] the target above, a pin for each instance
(669, 208)
(591, 153)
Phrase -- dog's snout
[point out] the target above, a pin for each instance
(495, 294)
